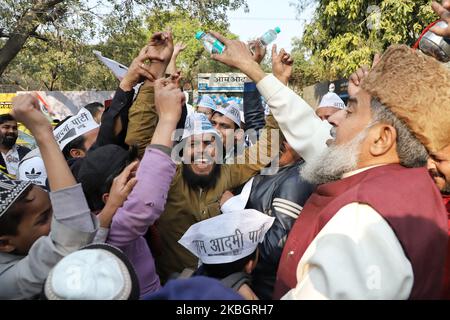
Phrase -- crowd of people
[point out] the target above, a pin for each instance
(153, 199)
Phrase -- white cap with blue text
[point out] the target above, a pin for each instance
(231, 111)
(227, 237)
(332, 100)
(197, 123)
(207, 102)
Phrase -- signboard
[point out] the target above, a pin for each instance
(221, 82)
(61, 104)
(6, 102)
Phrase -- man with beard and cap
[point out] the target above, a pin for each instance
(376, 227)
(146, 202)
(12, 153)
(200, 180)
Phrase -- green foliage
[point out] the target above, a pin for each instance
(345, 34)
(64, 61)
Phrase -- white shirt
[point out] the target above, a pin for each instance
(303, 129)
(355, 256)
(12, 160)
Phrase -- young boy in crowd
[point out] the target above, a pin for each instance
(227, 247)
(37, 228)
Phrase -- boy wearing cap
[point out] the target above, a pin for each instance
(226, 246)
(29, 247)
(227, 121)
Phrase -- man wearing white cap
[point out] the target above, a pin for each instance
(207, 106)
(227, 121)
(76, 134)
(330, 104)
(199, 181)
(226, 246)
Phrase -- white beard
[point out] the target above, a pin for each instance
(334, 162)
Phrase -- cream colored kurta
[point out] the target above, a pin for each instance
(355, 256)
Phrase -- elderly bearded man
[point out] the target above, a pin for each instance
(376, 227)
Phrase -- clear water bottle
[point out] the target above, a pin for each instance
(211, 44)
(269, 36)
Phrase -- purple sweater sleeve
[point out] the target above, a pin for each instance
(146, 202)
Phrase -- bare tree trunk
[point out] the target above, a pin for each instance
(25, 27)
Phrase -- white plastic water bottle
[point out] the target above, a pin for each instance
(269, 36)
(211, 44)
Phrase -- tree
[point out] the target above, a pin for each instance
(194, 59)
(49, 20)
(344, 34)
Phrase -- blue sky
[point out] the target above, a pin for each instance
(268, 14)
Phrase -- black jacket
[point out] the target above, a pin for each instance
(253, 108)
(119, 107)
(282, 196)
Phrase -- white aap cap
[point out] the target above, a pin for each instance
(332, 100)
(197, 123)
(74, 127)
(207, 102)
(228, 237)
(231, 111)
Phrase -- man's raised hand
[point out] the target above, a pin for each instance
(355, 80)
(160, 51)
(282, 64)
(259, 50)
(169, 99)
(26, 110)
(237, 55)
(179, 47)
(138, 71)
(122, 185)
